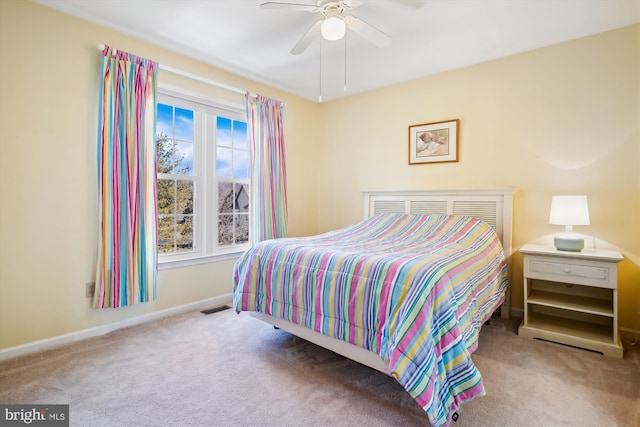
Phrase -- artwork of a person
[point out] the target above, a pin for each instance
(432, 144)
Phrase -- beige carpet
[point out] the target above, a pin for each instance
(225, 369)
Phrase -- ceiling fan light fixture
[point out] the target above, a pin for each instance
(333, 28)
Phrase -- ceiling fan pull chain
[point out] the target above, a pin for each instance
(345, 63)
(320, 73)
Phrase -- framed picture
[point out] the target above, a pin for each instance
(433, 142)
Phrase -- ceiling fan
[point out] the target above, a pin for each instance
(333, 22)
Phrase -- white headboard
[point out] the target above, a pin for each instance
(492, 205)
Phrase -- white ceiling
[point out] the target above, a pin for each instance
(429, 36)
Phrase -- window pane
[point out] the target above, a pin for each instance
(166, 234)
(166, 196)
(242, 228)
(225, 230)
(240, 164)
(184, 235)
(184, 158)
(175, 232)
(164, 124)
(184, 202)
(223, 162)
(225, 197)
(164, 153)
(223, 132)
(241, 195)
(239, 135)
(247, 189)
(233, 227)
(184, 124)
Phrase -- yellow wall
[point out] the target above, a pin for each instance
(559, 120)
(49, 73)
(555, 120)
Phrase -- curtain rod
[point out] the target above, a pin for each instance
(194, 76)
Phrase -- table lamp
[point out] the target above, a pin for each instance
(569, 211)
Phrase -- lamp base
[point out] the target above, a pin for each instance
(568, 242)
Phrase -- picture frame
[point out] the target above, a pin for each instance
(435, 142)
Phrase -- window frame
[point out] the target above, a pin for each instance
(206, 109)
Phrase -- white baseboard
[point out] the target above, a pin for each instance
(49, 343)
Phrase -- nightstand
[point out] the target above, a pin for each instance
(572, 298)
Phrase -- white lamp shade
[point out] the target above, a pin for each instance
(569, 210)
(333, 28)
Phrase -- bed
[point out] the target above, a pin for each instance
(404, 291)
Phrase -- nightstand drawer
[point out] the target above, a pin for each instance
(571, 271)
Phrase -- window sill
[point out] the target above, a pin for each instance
(169, 263)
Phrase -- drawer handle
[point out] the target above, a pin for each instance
(566, 270)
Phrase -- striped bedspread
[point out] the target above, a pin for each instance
(415, 289)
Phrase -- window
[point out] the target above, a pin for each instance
(203, 178)
(233, 174)
(176, 180)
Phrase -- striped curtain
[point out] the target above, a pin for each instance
(127, 248)
(268, 171)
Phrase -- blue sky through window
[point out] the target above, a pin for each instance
(231, 142)
(231, 154)
(177, 123)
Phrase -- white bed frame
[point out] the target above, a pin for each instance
(492, 205)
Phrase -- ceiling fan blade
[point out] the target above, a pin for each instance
(306, 40)
(352, 4)
(290, 6)
(367, 31)
(411, 3)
